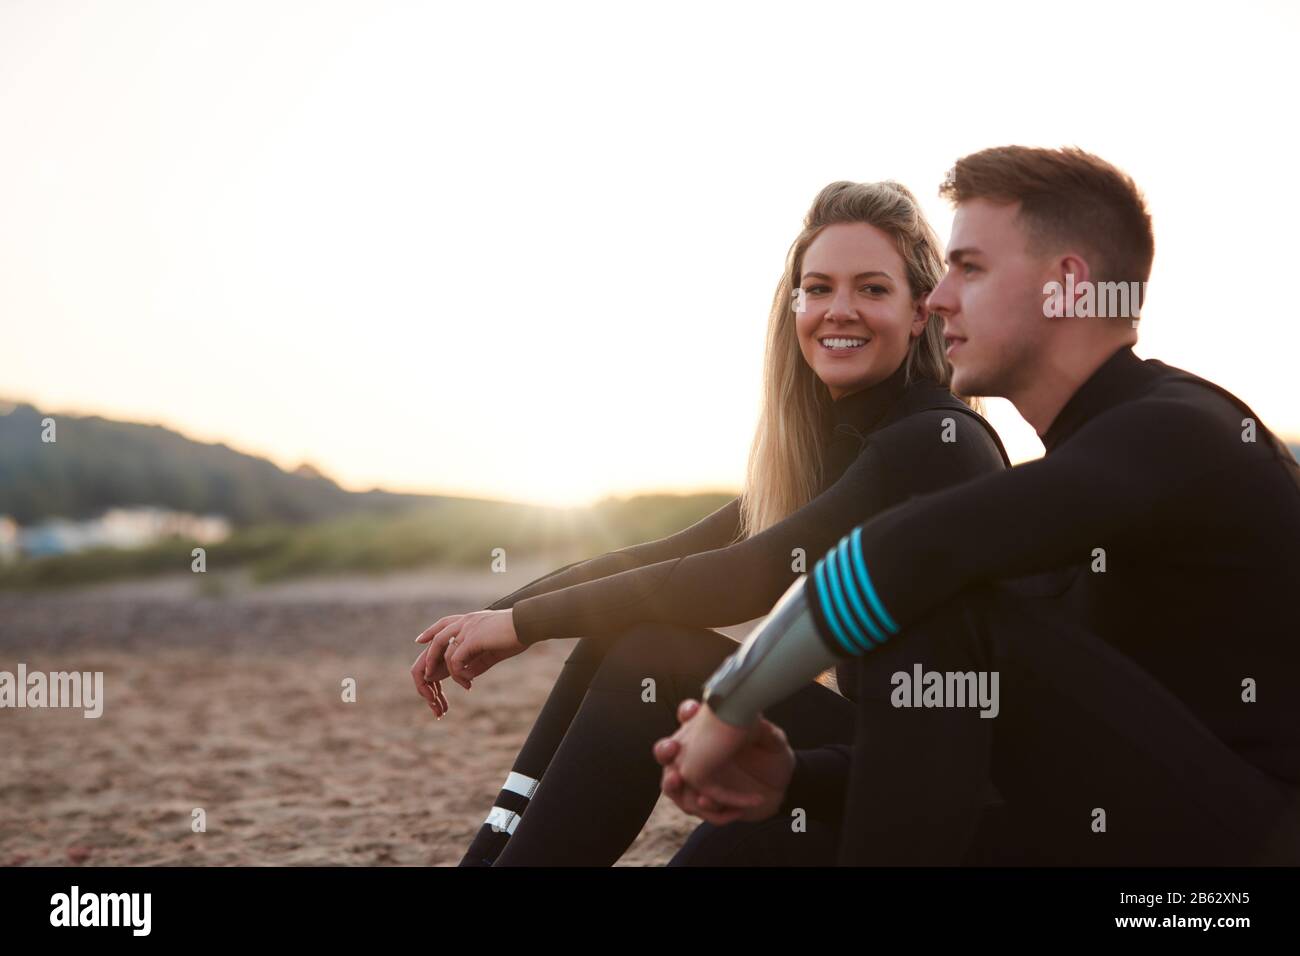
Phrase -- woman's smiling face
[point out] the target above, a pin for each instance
(859, 314)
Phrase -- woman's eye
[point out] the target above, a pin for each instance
(875, 289)
(967, 269)
(813, 290)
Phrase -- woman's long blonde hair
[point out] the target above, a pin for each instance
(785, 460)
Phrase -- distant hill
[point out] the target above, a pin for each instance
(97, 463)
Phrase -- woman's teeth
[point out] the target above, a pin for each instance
(839, 344)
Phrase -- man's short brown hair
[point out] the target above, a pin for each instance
(1066, 196)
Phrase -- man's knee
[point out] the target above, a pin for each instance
(772, 842)
(947, 639)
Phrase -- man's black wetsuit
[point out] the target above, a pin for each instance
(880, 446)
(1137, 591)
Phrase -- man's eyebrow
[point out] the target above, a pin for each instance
(956, 255)
(860, 275)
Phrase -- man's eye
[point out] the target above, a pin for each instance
(967, 268)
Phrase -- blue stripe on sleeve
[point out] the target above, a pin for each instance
(864, 582)
(834, 577)
(819, 579)
(844, 569)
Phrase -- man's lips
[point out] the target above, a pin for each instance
(952, 342)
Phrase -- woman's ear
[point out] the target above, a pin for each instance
(920, 316)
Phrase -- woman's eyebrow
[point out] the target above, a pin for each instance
(860, 275)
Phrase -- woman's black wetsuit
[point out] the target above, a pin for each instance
(585, 774)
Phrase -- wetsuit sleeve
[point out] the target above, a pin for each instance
(1138, 469)
(714, 531)
(741, 582)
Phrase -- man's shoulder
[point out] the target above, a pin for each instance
(1198, 394)
(1184, 402)
(1177, 409)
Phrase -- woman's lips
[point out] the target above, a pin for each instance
(839, 353)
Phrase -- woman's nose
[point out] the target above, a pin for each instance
(841, 305)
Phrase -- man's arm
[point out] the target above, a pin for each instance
(1128, 472)
(1123, 473)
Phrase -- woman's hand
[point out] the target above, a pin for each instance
(461, 646)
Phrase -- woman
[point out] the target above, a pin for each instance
(856, 417)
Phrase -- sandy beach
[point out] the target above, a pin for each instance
(232, 703)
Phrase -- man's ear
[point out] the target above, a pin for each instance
(1074, 264)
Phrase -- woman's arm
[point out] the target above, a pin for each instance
(713, 531)
(742, 581)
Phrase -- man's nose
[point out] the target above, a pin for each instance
(939, 300)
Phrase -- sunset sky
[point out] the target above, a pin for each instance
(527, 250)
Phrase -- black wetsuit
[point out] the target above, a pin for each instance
(647, 611)
(1136, 591)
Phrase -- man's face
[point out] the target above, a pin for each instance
(991, 300)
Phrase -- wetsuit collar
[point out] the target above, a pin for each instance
(1116, 380)
(865, 408)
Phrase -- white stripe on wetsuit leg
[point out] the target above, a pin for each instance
(520, 784)
(502, 819)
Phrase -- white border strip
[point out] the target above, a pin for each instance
(520, 784)
(502, 819)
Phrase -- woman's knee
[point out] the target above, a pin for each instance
(665, 653)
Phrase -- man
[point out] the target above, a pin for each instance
(1129, 598)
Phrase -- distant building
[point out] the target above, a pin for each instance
(116, 528)
(8, 539)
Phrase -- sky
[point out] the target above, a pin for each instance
(527, 251)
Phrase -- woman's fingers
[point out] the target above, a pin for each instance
(417, 675)
(429, 632)
(463, 661)
(432, 653)
(425, 689)
(441, 647)
(437, 636)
